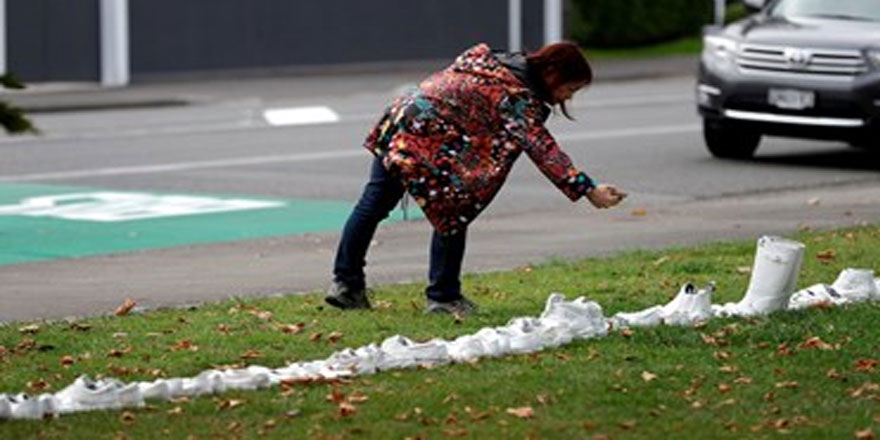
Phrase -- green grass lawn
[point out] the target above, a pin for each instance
(735, 378)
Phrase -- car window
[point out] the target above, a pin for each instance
(839, 9)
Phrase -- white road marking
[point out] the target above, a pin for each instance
(307, 157)
(301, 115)
(111, 206)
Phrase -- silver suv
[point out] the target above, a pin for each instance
(795, 68)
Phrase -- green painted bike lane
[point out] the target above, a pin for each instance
(46, 222)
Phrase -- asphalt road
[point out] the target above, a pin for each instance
(642, 135)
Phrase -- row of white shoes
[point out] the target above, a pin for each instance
(561, 322)
(773, 279)
(771, 288)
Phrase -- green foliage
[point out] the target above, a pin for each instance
(12, 118)
(622, 23)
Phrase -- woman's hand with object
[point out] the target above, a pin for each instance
(605, 196)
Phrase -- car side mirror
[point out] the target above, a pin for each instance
(755, 5)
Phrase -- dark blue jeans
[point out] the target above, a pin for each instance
(380, 196)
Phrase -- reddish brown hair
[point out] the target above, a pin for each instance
(558, 64)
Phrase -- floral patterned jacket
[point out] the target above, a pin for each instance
(455, 139)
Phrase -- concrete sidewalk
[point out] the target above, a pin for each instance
(69, 97)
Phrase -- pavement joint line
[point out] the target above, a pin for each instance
(305, 157)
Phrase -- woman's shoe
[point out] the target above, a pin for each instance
(342, 296)
(459, 307)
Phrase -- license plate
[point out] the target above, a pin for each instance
(791, 99)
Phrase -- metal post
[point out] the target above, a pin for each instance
(2, 37)
(552, 21)
(114, 43)
(719, 12)
(514, 25)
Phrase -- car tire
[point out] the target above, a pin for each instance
(728, 140)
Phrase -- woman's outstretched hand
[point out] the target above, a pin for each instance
(605, 196)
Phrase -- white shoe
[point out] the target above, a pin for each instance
(48, 404)
(583, 318)
(644, 318)
(23, 406)
(524, 334)
(364, 360)
(402, 352)
(690, 306)
(5, 407)
(84, 395)
(207, 382)
(251, 378)
(815, 295)
(159, 389)
(856, 285)
(466, 348)
(371, 356)
(494, 342)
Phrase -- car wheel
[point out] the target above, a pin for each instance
(728, 140)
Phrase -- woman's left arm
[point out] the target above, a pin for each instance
(555, 163)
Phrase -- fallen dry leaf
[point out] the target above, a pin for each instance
(357, 397)
(523, 412)
(728, 369)
(787, 384)
(315, 337)
(251, 354)
(184, 344)
(335, 396)
(817, 343)
(127, 417)
(334, 337)
(865, 434)
(866, 364)
(230, 404)
(867, 387)
(125, 307)
(346, 409)
(783, 349)
(833, 374)
(627, 424)
(38, 385)
(721, 355)
(744, 270)
(456, 432)
(292, 329)
(723, 388)
(66, 361)
(648, 376)
(826, 256)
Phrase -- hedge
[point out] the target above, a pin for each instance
(620, 23)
